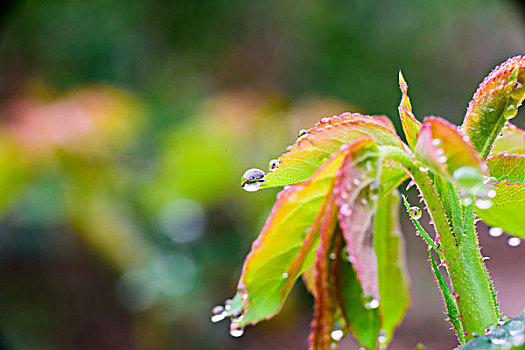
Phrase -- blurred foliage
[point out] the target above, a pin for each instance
(125, 127)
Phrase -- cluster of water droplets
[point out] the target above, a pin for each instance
(504, 335)
(511, 240)
(234, 309)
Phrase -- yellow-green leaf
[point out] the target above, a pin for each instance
(409, 122)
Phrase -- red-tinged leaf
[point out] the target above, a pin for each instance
(324, 281)
(363, 322)
(507, 167)
(444, 150)
(495, 101)
(356, 190)
(507, 208)
(285, 246)
(511, 140)
(391, 266)
(409, 122)
(314, 148)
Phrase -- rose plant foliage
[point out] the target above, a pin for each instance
(336, 221)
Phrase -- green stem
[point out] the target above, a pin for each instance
(468, 275)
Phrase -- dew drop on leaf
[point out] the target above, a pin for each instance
(468, 177)
(236, 331)
(372, 304)
(495, 231)
(515, 327)
(251, 179)
(333, 256)
(415, 213)
(436, 142)
(442, 159)
(483, 203)
(498, 336)
(511, 111)
(514, 241)
(285, 275)
(382, 336)
(274, 164)
(302, 132)
(346, 210)
(218, 313)
(337, 334)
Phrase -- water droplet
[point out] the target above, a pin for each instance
(495, 231)
(442, 159)
(356, 181)
(423, 169)
(468, 177)
(415, 213)
(518, 92)
(337, 334)
(302, 132)
(218, 313)
(346, 210)
(466, 138)
(436, 142)
(372, 304)
(333, 256)
(510, 112)
(515, 327)
(285, 275)
(498, 336)
(251, 179)
(440, 151)
(489, 179)
(514, 241)
(236, 331)
(491, 193)
(467, 201)
(483, 203)
(502, 320)
(274, 164)
(382, 336)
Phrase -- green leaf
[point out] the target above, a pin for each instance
(394, 294)
(450, 301)
(507, 167)
(507, 208)
(356, 190)
(511, 140)
(495, 101)
(410, 124)
(363, 322)
(286, 245)
(311, 150)
(445, 151)
(506, 211)
(508, 336)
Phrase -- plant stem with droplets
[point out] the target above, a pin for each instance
(469, 278)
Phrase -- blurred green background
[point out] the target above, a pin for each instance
(126, 125)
